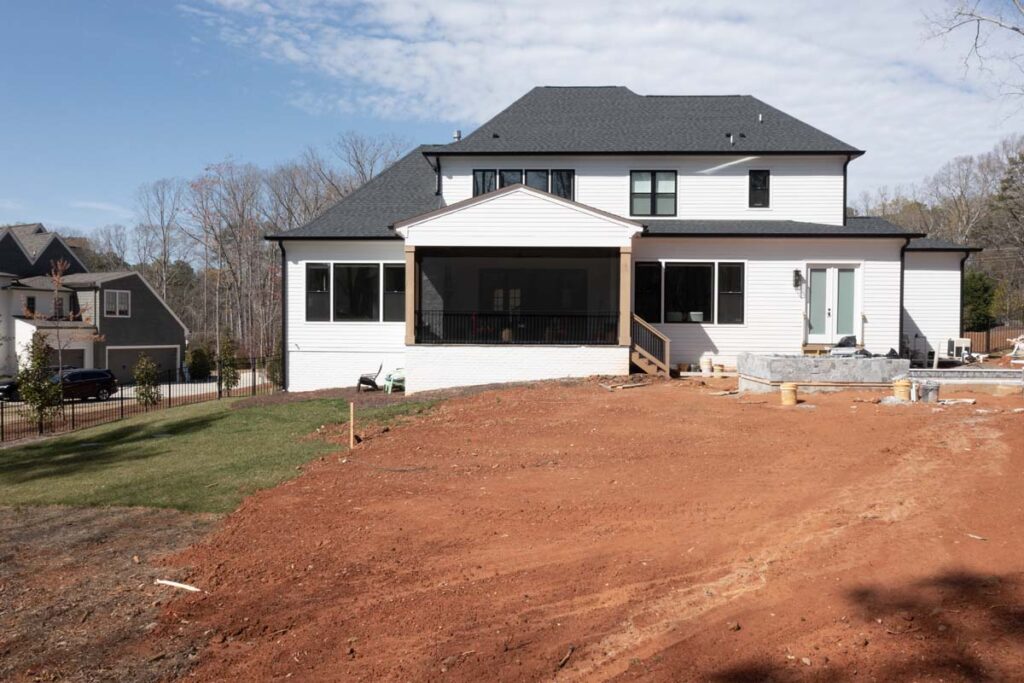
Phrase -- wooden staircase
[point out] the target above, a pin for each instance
(649, 349)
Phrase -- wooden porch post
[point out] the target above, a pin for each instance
(625, 304)
(410, 295)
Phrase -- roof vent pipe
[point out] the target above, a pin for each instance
(760, 118)
(457, 135)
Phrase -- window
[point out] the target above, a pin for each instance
(483, 182)
(30, 304)
(647, 291)
(58, 306)
(116, 303)
(507, 177)
(652, 193)
(758, 195)
(318, 292)
(730, 293)
(538, 180)
(394, 292)
(356, 292)
(562, 183)
(689, 292)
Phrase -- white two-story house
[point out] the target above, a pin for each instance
(586, 230)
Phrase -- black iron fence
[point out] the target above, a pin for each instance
(448, 327)
(175, 387)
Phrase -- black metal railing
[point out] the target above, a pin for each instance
(449, 327)
(174, 387)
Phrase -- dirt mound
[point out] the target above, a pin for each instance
(666, 532)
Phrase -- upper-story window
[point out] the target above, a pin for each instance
(758, 195)
(30, 305)
(117, 303)
(509, 177)
(652, 193)
(484, 182)
(560, 182)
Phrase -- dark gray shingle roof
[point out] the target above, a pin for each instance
(406, 188)
(614, 119)
(855, 227)
(936, 244)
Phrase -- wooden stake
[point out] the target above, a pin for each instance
(351, 425)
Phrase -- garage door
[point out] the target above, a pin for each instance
(122, 361)
(74, 358)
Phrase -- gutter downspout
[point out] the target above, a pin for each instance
(967, 255)
(903, 267)
(846, 163)
(284, 317)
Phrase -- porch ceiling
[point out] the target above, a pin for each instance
(518, 216)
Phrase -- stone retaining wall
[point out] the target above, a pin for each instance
(764, 373)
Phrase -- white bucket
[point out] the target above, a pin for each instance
(705, 366)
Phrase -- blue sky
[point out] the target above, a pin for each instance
(99, 97)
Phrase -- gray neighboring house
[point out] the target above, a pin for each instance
(103, 319)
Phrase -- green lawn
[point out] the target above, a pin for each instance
(200, 458)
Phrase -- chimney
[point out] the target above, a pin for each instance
(457, 135)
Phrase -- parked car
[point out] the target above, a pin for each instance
(81, 384)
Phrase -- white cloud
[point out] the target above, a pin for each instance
(104, 207)
(864, 72)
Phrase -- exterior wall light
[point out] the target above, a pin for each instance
(798, 279)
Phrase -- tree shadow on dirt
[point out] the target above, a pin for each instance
(955, 625)
(77, 454)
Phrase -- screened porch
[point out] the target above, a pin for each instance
(547, 296)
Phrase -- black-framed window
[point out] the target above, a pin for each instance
(394, 292)
(357, 291)
(647, 291)
(652, 193)
(537, 179)
(508, 177)
(318, 292)
(484, 181)
(562, 183)
(730, 293)
(689, 292)
(30, 304)
(758, 195)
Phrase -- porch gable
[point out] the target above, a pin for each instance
(518, 216)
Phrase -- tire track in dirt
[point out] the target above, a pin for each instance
(878, 498)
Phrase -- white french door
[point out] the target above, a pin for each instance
(831, 303)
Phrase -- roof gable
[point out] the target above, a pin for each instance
(615, 120)
(518, 216)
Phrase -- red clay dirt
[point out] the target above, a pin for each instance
(564, 532)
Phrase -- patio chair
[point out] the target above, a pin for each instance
(394, 380)
(369, 380)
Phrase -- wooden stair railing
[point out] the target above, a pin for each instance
(649, 349)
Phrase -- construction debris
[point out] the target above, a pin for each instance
(182, 586)
(957, 401)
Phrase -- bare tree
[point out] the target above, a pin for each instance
(366, 156)
(112, 240)
(986, 21)
(158, 233)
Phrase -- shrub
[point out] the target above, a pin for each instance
(147, 389)
(275, 370)
(199, 366)
(229, 375)
(42, 397)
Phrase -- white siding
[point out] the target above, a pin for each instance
(437, 367)
(333, 354)
(803, 188)
(931, 299)
(774, 309)
(521, 218)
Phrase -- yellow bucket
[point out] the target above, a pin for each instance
(788, 393)
(901, 389)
